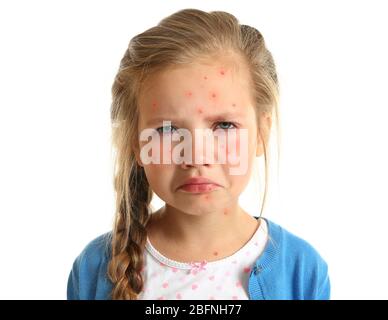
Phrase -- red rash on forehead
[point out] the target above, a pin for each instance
(213, 95)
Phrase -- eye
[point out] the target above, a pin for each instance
(227, 124)
(164, 130)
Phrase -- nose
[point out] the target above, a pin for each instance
(202, 150)
(194, 164)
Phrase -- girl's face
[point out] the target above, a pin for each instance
(212, 95)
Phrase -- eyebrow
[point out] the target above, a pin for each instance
(218, 117)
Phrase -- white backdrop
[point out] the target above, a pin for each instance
(57, 64)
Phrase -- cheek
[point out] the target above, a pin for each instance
(157, 149)
(159, 177)
(239, 155)
(233, 143)
(229, 144)
(152, 152)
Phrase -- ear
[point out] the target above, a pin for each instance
(263, 134)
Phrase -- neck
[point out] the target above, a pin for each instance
(211, 231)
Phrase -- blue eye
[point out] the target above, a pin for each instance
(228, 123)
(163, 130)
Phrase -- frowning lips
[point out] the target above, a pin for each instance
(198, 180)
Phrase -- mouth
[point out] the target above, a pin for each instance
(199, 187)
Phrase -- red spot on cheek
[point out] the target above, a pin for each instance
(233, 104)
(225, 211)
(154, 104)
(189, 94)
(200, 110)
(222, 72)
(215, 253)
(214, 95)
(206, 197)
(205, 77)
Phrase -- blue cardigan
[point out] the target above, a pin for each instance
(288, 268)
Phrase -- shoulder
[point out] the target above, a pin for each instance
(97, 249)
(292, 246)
(299, 261)
(88, 274)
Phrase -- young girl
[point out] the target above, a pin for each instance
(196, 70)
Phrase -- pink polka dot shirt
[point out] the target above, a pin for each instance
(226, 279)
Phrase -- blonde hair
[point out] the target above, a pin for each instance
(178, 39)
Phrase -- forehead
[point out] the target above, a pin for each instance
(204, 88)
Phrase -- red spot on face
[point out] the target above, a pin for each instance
(200, 110)
(214, 95)
(225, 211)
(222, 72)
(207, 197)
(205, 77)
(233, 104)
(188, 94)
(154, 104)
(215, 253)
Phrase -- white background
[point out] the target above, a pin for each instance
(57, 64)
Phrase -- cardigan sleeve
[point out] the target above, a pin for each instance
(73, 282)
(88, 272)
(323, 291)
